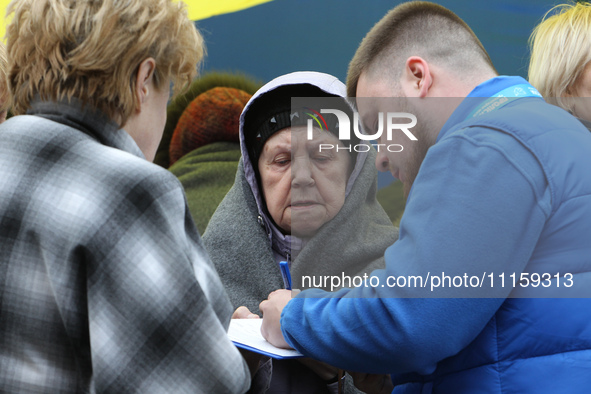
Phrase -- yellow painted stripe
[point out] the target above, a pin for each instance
(3, 23)
(198, 9)
(201, 9)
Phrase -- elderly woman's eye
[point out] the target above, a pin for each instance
(322, 158)
(282, 161)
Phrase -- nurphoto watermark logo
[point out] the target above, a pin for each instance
(344, 126)
(386, 125)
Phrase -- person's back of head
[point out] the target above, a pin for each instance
(211, 117)
(87, 50)
(4, 91)
(560, 52)
(420, 29)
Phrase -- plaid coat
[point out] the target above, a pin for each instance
(104, 282)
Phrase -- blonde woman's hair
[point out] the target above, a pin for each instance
(4, 91)
(560, 50)
(90, 50)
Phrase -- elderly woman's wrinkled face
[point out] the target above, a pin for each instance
(303, 186)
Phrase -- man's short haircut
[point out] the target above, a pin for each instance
(4, 91)
(91, 49)
(418, 29)
(560, 50)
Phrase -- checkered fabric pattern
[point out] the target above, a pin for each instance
(104, 283)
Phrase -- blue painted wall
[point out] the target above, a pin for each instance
(322, 35)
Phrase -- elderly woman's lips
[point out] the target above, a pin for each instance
(303, 204)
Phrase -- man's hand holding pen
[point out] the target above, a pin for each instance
(271, 309)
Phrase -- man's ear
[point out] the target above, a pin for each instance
(144, 80)
(417, 78)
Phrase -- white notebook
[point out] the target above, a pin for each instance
(246, 334)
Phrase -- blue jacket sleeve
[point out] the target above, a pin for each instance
(476, 208)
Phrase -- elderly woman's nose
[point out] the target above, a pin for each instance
(301, 173)
(382, 162)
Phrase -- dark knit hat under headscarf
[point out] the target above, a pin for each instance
(273, 112)
(212, 116)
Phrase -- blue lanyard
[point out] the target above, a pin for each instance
(504, 97)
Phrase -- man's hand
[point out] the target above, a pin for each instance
(271, 309)
(244, 313)
(372, 384)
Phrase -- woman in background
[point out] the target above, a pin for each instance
(560, 64)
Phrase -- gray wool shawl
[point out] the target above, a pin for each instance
(352, 243)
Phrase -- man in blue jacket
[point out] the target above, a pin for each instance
(494, 235)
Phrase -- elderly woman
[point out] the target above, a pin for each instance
(560, 64)
(297, 199)
(104, 282)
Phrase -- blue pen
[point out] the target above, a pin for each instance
(286, 275)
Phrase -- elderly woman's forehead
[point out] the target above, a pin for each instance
(301, 132)
(298, 131)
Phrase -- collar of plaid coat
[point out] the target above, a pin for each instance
(88, 120)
